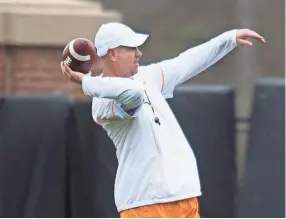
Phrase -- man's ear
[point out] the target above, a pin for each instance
(112, 54)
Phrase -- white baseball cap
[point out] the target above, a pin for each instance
(112, 35)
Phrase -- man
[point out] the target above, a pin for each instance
(157, 173)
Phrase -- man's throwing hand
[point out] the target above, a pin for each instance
(246, 33)
(74, 76)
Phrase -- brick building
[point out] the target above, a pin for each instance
(32, 36)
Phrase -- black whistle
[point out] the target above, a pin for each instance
(156, 119)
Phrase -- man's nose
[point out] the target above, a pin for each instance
(138, 53)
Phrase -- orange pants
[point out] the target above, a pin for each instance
(188, 208)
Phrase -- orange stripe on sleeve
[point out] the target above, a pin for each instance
(163, 78)
(113, 107)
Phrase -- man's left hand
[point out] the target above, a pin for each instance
(242, 34)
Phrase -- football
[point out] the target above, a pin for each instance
(79, 54)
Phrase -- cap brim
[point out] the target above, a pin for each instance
(136, 40)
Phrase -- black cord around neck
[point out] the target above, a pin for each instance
(156, 118)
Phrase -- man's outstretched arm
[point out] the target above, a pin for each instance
(195, 60)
